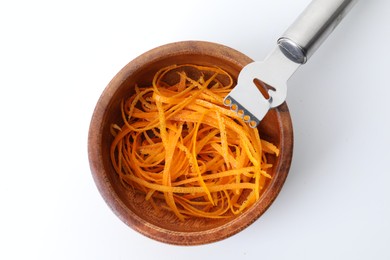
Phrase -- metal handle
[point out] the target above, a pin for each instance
(312, 27)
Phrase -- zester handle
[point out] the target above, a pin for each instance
(312, 27)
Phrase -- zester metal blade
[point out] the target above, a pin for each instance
(247, 100)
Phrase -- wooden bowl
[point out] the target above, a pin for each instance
(131, 207)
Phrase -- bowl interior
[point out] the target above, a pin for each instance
(131, 206)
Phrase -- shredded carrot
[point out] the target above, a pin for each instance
(180, 146)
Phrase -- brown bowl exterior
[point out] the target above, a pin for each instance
(131, 207)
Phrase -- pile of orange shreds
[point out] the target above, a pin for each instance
(179, 144)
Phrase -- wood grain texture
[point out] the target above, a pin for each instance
(130, 206)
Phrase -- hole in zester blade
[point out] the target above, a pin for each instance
(227, 101)
(240, 113)
(252, 124)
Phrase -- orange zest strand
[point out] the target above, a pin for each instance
(181, 147)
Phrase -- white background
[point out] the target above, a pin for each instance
(56, 57)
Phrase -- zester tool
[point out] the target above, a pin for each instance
(263, 85)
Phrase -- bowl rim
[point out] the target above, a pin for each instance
(106, 189)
